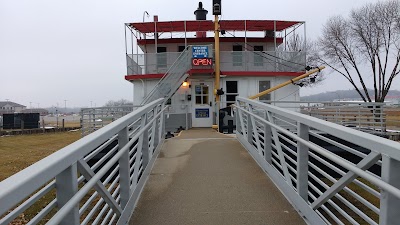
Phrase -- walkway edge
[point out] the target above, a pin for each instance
(135, 195)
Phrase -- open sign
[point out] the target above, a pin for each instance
(202, 62)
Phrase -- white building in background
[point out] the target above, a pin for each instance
(11, 107)
(253, 58)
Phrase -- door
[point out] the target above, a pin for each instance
(202, 101)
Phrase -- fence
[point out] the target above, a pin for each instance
(96, 180)
(93, 119)
(369, 117)
(330, 173)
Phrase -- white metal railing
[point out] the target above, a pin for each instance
(156, 63)
(369, 117)
(93, 119)
(331, 174)
(172, 79)
(96, 180)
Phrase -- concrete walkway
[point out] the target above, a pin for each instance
(204, 177)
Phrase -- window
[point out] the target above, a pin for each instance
(258, 57)
(237, 55)
(181, 48)
(231, 92)
(201, 94)
(161, 57)
(262, 86)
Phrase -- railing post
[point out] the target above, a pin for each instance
(156, 128)
(67, 186)
(267, 141)
(162, 126)
(153, 133)
(302, 161)
(124, 179)
(389, 204)
(249, 127)
(141, 149)
(145, 143)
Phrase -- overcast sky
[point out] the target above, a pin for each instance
(74, 50)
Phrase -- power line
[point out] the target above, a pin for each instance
(289, 95)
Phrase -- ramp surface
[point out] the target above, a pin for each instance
(204, 177)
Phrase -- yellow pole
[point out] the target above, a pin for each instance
(217, 69)
(287, 83)
(217, 58)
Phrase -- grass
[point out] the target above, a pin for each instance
(20, 151)
(392, 118)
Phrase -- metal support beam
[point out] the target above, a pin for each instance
(267, 141)
(87, 172)
(364, 164)
(302, 161)
(67, 186)
(287, 83)
(124, 179)
(390, 204)
(280, 151)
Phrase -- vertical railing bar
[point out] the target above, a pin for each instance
(279, 149)
(253, 123)
(123, 139)
(390, 204)
(67, 187)
(139, 152)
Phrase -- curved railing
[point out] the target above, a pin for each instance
(96, 180)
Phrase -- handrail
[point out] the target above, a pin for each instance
(62, 167)
(175, 73)
(282, 140)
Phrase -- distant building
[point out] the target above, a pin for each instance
(11, 107)
(42, 112)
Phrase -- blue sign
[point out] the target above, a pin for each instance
(200, 52)
(202, 113)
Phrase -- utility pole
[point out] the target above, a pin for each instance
(65, 106)
(216, 7)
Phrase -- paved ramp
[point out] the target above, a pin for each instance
(204, 177)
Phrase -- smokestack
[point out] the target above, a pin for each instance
(201, 14)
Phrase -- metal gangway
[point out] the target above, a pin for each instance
(172, 79)
(329, 173)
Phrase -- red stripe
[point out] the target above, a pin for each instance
(227, 73)
(260, 73)
(196, 71)
(143, 76)
(207, 40)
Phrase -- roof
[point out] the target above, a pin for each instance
(208, 25)
(13, 104)
(36, 110)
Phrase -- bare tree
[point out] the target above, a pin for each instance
(121, 102)
(296, 43)
(370, 38)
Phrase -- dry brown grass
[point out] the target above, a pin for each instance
(393, 119)
(19, 152)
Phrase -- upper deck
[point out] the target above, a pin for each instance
(247, 47)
